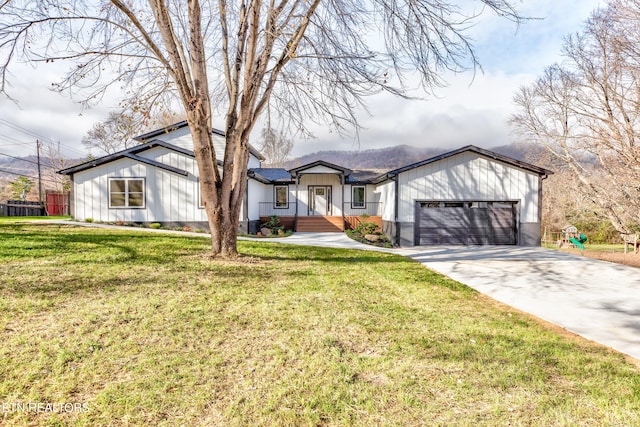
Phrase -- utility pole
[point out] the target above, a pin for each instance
(39, 173)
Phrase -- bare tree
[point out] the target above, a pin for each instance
(309, 59)
(120, 127)
(275, 146)
(586, 112)
(114, 134)
(55, 161)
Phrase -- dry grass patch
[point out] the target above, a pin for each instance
(147, 331)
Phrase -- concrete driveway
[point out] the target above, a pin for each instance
(595, 299)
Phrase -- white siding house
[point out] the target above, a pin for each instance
(466, 196)
(156, 181)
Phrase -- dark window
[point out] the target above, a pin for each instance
(282, 196)
(358, 196)
(126, 193)
(430, 204)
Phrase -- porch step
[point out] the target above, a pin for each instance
(320, 224)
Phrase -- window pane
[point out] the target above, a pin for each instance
(430, 204)
(117, 199)
(358, 196)
(136, 199)
(117, 186)
(282, 193)
(136, 185)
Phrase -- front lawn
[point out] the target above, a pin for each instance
(143, 329)
(15, 219)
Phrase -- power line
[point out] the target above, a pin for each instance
(35, 135)
(19, 158)
(22, 159)
(27, 176)
(21, 129)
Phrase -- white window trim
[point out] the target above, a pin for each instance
(199, 190)
(126, 192)
(275, 196)
(364, 197)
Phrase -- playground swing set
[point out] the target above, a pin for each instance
(571, 238)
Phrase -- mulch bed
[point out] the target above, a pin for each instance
(619, 257)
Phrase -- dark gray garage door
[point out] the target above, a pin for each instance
(466, 223)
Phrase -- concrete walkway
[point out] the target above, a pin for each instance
(595, 299)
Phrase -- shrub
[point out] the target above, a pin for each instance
(367, 228)
(273, 224)
(88, 220)
(155, 225)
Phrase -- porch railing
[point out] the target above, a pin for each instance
(369, 208)
(270, 208)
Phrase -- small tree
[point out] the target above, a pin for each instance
(21, 187)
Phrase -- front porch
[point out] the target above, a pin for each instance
(304, 222)
(320, 197)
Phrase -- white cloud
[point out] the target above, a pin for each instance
(466, 112)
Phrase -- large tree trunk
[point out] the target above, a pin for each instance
(222, 195)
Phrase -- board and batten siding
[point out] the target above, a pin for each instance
(468, 176)
(370, 197)
(169, 197)
(182, 138)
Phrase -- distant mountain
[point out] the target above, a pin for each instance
(23, 166)
(402, 155)
(382, 158)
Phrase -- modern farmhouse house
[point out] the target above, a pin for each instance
(467, 196)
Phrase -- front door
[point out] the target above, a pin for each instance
(320, 200)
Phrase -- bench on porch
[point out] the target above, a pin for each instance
(631, 239)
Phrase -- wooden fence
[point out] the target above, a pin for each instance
(22, 208)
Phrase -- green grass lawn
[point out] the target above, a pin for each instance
(143, 329)
(17, 219)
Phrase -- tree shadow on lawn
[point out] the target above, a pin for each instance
(102, 247)
(285, 252)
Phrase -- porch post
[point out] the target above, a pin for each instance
(342, 207)
(295, 218)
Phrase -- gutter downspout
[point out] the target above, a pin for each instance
(396, 207)
(542, 178)
(295, 218)
(342, 209)
(72, 196)
(245, 205)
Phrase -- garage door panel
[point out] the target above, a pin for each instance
(466, 225)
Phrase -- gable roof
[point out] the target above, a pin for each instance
(132, 154)
(167, 129)
(471, 148)
(296, 171)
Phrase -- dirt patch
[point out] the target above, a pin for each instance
(619, 257)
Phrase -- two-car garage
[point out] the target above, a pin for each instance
(470, 196)
(466, 223)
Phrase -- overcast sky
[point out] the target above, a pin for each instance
(471, 110)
